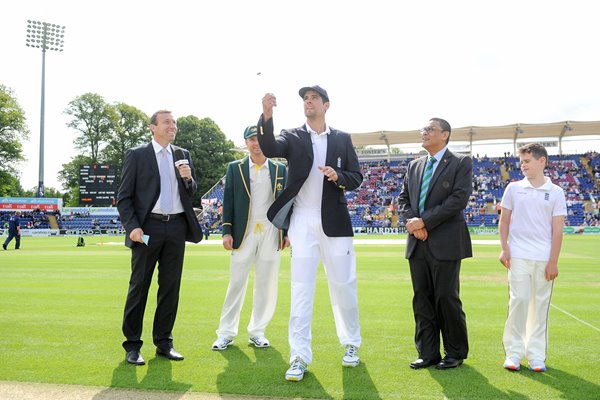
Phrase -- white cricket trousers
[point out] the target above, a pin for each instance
(526, 328)
(310, 245)
(260, 247)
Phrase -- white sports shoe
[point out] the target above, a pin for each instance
(259, 341)
(297, 369)
(537, 366)
(221, 343)
(512, 363)
(350, 358)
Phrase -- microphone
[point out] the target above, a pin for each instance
(180, 159)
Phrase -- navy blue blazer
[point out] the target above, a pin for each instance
(295, 146)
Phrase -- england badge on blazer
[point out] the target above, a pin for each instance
(339, 162)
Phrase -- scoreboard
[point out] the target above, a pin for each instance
(98, 185)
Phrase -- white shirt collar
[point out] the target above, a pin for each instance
(252, 164)
(438, 156)
(309, 130)
(546, 186)
(157, 147)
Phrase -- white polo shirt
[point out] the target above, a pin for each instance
(530, 232)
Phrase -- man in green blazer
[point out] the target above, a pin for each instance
(251, 186)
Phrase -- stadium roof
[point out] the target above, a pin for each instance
(471, 134)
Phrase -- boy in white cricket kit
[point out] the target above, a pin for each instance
(531, 230)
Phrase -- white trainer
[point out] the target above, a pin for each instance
(537, 366)
(297, 369)
(512, 364)
(259, 341)
(350, 358)
(221, 343)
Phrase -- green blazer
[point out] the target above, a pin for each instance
(236, 198)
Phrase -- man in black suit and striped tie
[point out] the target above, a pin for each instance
(434, 195)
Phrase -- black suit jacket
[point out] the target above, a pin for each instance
(295, 146)
(140, 187)
(448, 195)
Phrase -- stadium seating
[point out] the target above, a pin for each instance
(374, 204)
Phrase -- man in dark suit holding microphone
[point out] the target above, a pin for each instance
(155, 206)
(434, 194)
(322, 165)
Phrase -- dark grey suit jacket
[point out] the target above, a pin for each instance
(295, 146)
(448, 195)
(140, 187)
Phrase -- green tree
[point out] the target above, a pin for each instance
(49, 192)
(69, 177)
(94, 119)
(10, 186)
(209, 148)
(13, 130)
(130, 130)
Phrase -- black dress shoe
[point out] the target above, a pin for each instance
(423, 363)
(170, 353)
(449, 362)
(135, 357)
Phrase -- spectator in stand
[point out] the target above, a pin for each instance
(206, 229)
(14, 231)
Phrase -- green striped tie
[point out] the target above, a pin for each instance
(425, 183)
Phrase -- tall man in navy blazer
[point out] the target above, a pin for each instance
(155, 206)
(322, 165)
(438, 239)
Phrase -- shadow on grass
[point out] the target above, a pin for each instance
(358, 384)
(571, 386)
(159, 376)
(465, 382)
(264, 377)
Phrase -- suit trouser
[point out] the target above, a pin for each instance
(436, 305)
(167, 247)
(260, 247)
(310, 245)
(526, 328)
(10, 237)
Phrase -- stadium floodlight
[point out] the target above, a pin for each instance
(45, 36)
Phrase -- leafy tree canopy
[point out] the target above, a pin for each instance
(209, 148)
(94, 119)
(13, 131)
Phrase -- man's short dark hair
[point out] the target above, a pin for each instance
(445, 125)
(537, 150)
(154, 116)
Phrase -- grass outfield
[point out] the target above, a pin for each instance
(61, 309)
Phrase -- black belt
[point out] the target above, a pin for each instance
(165, 217)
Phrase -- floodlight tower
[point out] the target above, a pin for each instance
(45, 36)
